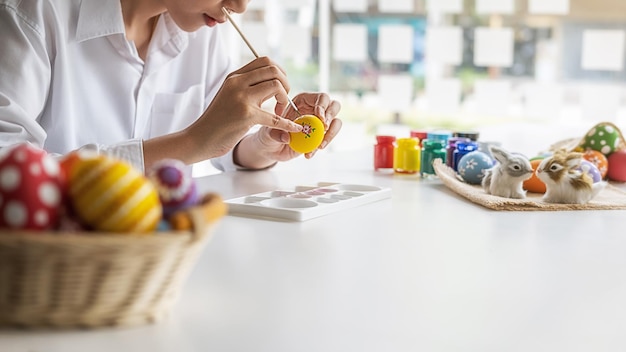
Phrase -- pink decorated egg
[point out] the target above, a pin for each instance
(31, 188)
(617, 166)
(177, 189)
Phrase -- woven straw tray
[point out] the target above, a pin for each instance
(64, 280)
(610, 198)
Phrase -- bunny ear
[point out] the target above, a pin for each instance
(572, 160)
(499, 154)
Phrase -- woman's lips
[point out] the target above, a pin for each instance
(209, 21)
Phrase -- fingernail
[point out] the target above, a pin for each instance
(323, 145)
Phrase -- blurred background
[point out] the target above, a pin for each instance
(514, 70)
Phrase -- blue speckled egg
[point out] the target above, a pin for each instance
(472, 166)
(591, 169)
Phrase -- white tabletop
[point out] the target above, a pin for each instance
(422, 271)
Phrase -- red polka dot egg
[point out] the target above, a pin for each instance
(31, 188)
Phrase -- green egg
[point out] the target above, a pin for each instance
(603, 138)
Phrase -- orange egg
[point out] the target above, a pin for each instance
(67, 162)
(598, 159)
(534, 184)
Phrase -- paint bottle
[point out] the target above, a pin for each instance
(383, 152)
(452, 142)
(406, 156)
(420, 135)
(432, 149)
(472, 135)
(439, 135)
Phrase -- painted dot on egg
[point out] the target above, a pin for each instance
(10, 178)
(605, 150)
(15, 214)
(20, 156)
(49, 194)
(171, 176)
(35, 169)
(41, 217)
(51, 166)
(609, 129)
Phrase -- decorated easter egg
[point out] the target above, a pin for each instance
(617, 166)
(31, 188)
(67, 161)
(472, 166)
(534, 184)
(177, 189)
(311, 135)
(604, 138)
(598, 159)
(541, 156)
(110, 195)
(591, 169)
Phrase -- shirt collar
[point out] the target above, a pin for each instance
(97, 18)
(170, 34)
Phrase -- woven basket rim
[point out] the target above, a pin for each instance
(87, 237)
(216, 208)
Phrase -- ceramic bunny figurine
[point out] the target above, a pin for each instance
(565, 181)
(505, 179)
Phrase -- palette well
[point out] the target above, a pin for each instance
(306, 202)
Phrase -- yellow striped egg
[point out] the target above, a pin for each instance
(110, 195)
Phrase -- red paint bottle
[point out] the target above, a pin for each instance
(383, 152)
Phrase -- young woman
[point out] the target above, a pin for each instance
(143, 80)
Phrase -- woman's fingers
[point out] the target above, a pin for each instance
(274, 121)
(330, 111)
(262, 61)
(261, 71)
(331, 132)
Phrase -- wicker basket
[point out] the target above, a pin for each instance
(572, 144)
(97, 279)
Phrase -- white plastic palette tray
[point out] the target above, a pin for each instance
(306, 202)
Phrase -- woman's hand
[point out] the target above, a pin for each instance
(237, 107)
(269, 145)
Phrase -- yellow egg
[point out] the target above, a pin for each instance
(310, 137)
(110, 195)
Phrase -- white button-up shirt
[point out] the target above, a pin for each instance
(70, 79)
